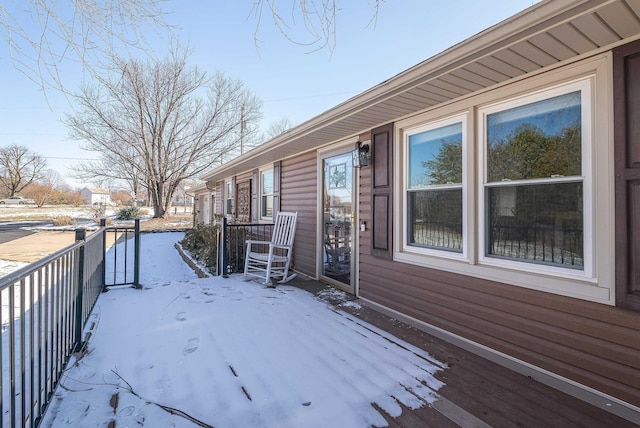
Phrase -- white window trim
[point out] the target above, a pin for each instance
(261, 170)
(322, 153)
(587, 100)
(227, 183)
(408, 132)
(598, 172)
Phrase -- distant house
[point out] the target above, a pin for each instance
(204, 203)
(182, 199)
(95, 196)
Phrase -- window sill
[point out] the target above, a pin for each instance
(528, 276)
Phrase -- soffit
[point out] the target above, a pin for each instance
(544, 35)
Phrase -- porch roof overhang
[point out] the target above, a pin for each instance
(545, 35)
(198, 188)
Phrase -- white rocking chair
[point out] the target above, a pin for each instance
(271, 259)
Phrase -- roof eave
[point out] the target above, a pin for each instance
(531, 21)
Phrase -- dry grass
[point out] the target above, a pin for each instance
(170, 222)
(64, 220)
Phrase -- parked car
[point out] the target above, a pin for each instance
(17, 200)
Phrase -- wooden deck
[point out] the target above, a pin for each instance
(478, 392)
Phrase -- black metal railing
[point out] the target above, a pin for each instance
(233, 241)
(558, 245)
(446, 235)
(123, 260)
(44, 307)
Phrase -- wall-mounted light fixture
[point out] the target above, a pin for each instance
(360, 155)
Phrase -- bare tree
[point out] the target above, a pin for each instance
(318, 19)
(19, 167)
(115, 166)
(161, 121)
(48, 190)
(72, 197)
(42, 35)
(121, 197)
(279, 127)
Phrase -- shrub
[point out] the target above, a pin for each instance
(63, 220)
(202, 243)
(98, 210)
(129, 213)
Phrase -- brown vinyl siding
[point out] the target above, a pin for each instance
(364, 207)
(590, 343)
(240, 178)
(299, 194)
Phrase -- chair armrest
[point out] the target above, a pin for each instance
(283, 247)
(252, 241)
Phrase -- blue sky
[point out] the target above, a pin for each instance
(425, 146)
(291, 81)
(551, 116)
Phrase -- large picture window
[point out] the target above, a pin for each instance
(266, 194)
(434, 186)
(533, 187)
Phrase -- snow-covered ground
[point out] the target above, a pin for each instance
(187, 352)
(7, 266)
(24, 212)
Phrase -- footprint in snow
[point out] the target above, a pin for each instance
(130, 416)
(181, 316)
(192, 346)
(127, 411)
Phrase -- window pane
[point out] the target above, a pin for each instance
(267, 183)
(538, 223)
(435, 219)
(228, 198)
(267, 206)
(537, 140)
(435, 157)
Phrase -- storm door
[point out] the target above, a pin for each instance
(337, 220)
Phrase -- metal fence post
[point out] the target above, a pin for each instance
(103, 228)
(136, 255)
(81, 235)
(225, 254)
